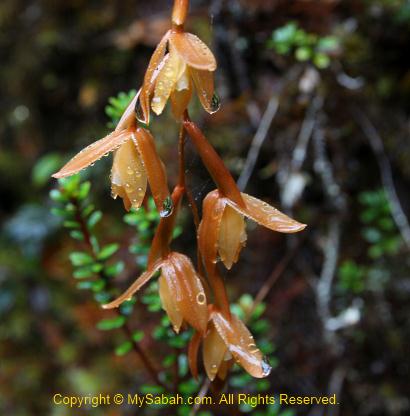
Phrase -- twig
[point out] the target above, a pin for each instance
(324, 285)
(274, 276)
(257, 142)
(202, 393)
(323, 167)
(386, 173)
(306, 130)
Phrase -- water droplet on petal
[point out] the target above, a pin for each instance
(266, 368)
(167, 207)
(129, 170)
(201, 298)
(215, 103)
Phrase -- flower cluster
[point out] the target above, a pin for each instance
(180, 64)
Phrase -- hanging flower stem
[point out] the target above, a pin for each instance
(213, 163)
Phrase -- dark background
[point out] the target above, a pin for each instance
(339, 311)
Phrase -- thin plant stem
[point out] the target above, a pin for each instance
(153, 372)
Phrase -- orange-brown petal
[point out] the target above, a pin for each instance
(189, 293)
(149, 79)
(141, 281)
(266, 215)
(181, 96)
(213, 351)
(204, 84)
(232, 236)
(208, 231)
(94, 152)
(166, 81)
(241, 344)
(193, 51)
(127, 119)
(168, 303)
(128, 176)
(154, 168)
(193, 348)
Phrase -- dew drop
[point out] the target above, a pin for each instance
(167, 207)
(129, 170)
(266, 368)
(214, 369)
(215, 103)
(200, 298)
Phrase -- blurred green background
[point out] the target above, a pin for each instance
(321, 88)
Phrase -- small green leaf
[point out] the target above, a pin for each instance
(107, 251)
(114, 269)
(123, 348)
(57, 196)
(79, 258)
(98, 285)
(71, 224)
(138, 336)
(77, 235)
(45, 167)
(111, 323)
(95, 217)
(84, 190)
(83, 272)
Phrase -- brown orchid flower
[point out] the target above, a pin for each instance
(226, 341)
(180, 289)
(135, 163)
(222, 229)
(180, 61)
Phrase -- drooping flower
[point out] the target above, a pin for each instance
(180, 62)
(135, 163)
(222, 230)
(227, 340)
(180, 289)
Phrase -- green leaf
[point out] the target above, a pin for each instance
(102, 297)
(95, 217)
(123, 348)
(84, 285)
(79, 258)
(114, 269)
(88, 210)
(77, 235)
(84, 190)
(59, 212)
(45, 167)
(71, 224)
(321, 60)
(98, 285)
(109, 324)
(107, 251)
(83, 272)
(138, 336)
(57, 196)
(303, 53)
(188, 387)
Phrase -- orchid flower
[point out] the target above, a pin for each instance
(180, 61)
(222, 229)
(135, 163)
(226, 340)
(180, 289)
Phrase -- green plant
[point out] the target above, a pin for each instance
(305, 46)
